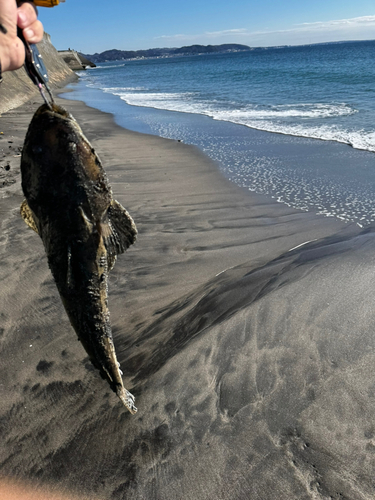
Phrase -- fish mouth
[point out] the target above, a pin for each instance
(53, 109)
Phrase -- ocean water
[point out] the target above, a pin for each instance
(295, 123)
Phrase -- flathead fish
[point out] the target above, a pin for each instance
(69, 204)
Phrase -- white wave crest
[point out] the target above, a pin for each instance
(120, 90)
(168, 101)
(358, 139)
(305, 110)
(277, 119)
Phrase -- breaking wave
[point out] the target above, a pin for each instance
(300, 119)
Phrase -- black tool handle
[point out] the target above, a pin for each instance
(34, 64)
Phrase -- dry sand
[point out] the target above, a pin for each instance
(252, 365)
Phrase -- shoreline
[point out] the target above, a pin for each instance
(235, 336)
(304, 173)
(212, 117)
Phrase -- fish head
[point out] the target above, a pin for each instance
(58, 162)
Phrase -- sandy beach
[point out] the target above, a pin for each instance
(244, 329)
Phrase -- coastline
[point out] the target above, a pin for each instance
(304, 173)
(233, 345)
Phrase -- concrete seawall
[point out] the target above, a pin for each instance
(17, 87)
(75, 60)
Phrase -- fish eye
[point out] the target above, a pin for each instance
(37, 149)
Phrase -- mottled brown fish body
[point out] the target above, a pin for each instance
(69, 203)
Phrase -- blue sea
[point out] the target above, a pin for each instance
(294, 123)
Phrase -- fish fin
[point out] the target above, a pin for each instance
(119, 232)
(28, 216)
(111, 259)
(89, 225)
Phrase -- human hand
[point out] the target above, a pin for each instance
(12, 50)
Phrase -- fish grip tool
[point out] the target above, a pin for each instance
(34, 64)
(36, 69)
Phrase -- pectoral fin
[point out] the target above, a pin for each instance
(118, 231)
(111, 259)
(28, 216)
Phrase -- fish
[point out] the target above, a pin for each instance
(69, 203)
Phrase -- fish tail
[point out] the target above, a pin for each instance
(127, 399)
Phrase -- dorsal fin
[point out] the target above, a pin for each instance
(28, 216)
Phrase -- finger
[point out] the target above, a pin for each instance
(30, 2)
(34, 33)
(26, 15)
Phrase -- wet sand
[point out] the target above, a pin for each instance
(252, 365)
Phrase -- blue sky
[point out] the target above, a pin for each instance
(95, 26)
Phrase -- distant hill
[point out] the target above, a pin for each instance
(119, 55)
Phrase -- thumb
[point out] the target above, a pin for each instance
(12, 51)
